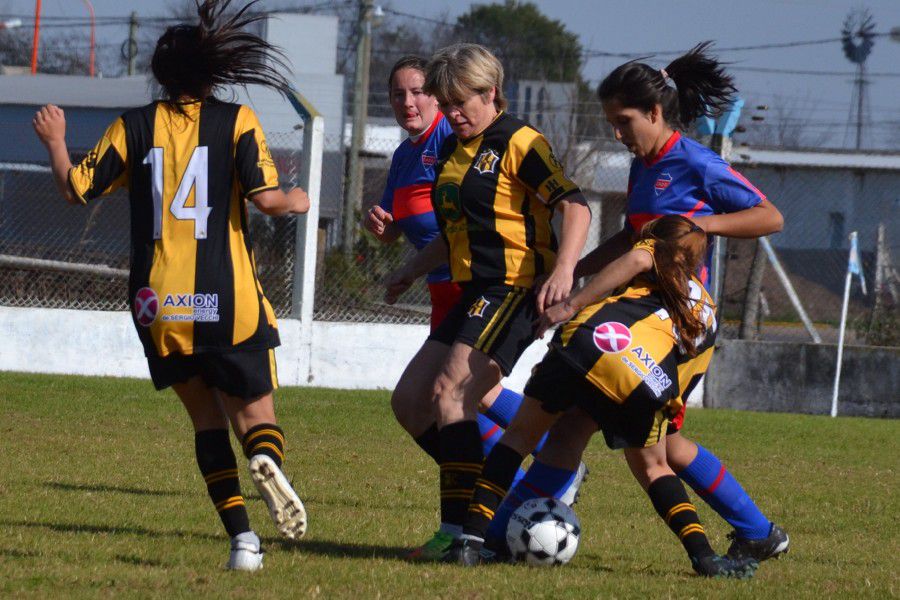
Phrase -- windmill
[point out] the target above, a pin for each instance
(857, 39)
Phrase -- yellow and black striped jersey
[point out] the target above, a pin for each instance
(493, 197)
(626, 343)
(193, 282)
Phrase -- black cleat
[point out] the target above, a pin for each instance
(773, 546)
(466, 553)
(724, 567)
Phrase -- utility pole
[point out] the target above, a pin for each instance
(36, 39)
(132, 42)
(353, 193)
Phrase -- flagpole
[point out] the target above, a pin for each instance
(854, 261)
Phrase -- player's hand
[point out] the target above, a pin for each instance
(377, 220)
(397, 282)
(555, 288)
(556, 314)
(298, 201)
(50, 124)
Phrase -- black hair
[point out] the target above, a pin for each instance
(409, 61)
(700, 87)
(194, 60)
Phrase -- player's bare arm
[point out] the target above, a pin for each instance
(276, 203)
(50, 126)
(611, 248)
(575, 223)
(612, 276)
(427, 259)
(762, 219)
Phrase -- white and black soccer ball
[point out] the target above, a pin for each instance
(543, 532)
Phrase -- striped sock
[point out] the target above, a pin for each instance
(671, 501)
(490, 488)
(712, 482)
(265, 438)
(461, 460)
(219, 469)
(504, 409)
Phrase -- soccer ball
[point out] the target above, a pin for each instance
(543, 532)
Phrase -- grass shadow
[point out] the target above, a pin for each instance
(110, 529)
(340, 549)
(83, 487)
(137, 561)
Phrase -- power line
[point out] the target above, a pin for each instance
(807, 72)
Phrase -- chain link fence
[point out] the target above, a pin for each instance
(54, 255)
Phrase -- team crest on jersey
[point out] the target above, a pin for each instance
(429, 159)
(477, 309)
(662, 183)
(486, 162)
(448, 202)
(146, 306)
(612, 337)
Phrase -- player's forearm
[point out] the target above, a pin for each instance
(762, 219)
(612, 276)
(429, 258)
(276, 203)
(573, 233)
(602, 255)
(60, 165)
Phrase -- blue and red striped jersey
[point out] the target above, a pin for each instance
(686, 178)
(407, 194)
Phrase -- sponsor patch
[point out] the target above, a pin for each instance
(650, 372)
(448, 202)
(200, 308)
(612, 337)
(146, 306)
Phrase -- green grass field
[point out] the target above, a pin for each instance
(100, 497)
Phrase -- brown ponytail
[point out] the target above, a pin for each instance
(678, 250)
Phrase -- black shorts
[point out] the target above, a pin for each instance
(246, 374)
(495, 319)
(638, 422)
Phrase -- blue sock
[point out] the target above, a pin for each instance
(505, 408)
(708, 477)
(540, 481)
(490, 435)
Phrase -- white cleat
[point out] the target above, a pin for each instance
(245, 555)
(571, 495)
(285, 507)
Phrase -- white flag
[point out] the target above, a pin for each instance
(855, 264)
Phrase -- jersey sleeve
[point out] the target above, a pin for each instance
(252, 160)
(728, 191)
(647, 245)
(537, 168)
(105, 168)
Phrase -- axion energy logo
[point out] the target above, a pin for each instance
(146, 306)
(612, 337)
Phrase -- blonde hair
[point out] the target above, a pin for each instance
(455, 72)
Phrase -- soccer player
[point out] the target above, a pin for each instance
(189, 162)
(497, 184)
(623, 362)
(405, 209)
(672, 174)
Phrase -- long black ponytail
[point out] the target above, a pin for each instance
(194, 60)
(692, 85)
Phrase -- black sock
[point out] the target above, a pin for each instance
(491, 487)
(461, 459)
(219, 469)
(672, 503)
(265, 438)
(430, 442)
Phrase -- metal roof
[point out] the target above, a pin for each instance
(823, 159)
(75, 90)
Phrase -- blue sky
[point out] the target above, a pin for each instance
(654, 25)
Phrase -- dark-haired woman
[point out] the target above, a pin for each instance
(672, 174)
(189, 162)
(623, 362)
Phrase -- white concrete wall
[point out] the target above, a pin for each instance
(341, 355)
